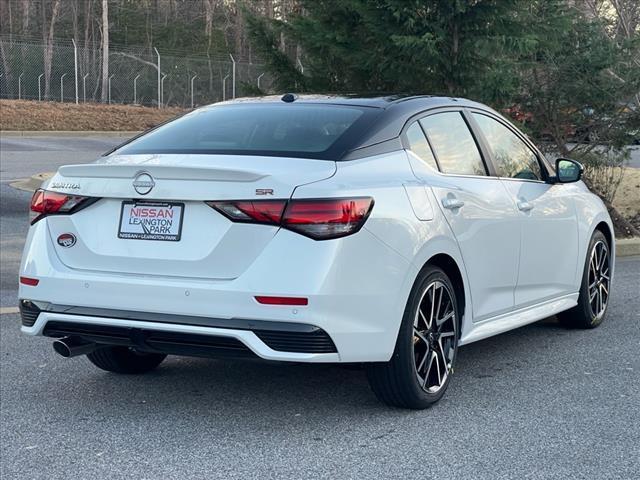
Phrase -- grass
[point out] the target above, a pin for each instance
(627, 198)
(32, 115)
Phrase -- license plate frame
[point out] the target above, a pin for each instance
(154, 222)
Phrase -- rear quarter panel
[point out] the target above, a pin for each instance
(395, 224)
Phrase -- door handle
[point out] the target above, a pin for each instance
(524, 206)
(452, 203)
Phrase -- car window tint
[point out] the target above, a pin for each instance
(418, 144)
(513, 158)
(453, 143)
(249, 128)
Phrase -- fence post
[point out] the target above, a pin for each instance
(259, 77)
(233, 78)
(192, 79)
(110, 77)
(135, 90)
(75, 66)
(39, 88)
(84, 88)
(162, 88)
(224, 88)
(20, 85)
(159, 81)
(62, 87)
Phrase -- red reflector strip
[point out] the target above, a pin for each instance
(32, 282)
(282, 300)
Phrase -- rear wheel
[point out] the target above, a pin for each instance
(124, 360)
(595, 288)
(420, 370)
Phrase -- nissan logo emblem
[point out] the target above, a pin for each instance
(143, 183)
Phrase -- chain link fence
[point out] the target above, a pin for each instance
(69, 73)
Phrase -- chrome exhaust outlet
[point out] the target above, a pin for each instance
(73, 346)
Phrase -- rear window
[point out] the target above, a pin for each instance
(302, 130)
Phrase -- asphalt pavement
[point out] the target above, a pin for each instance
(21, 157)
(539, 402)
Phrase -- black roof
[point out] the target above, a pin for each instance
(379, 100)
(395, 110)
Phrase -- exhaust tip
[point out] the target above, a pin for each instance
(73, 346)
(61, 348)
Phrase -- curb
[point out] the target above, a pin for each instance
(625, 247)
(66, 133)
(32, 183)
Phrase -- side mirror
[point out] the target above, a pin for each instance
(567, 171)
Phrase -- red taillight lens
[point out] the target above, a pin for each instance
(327, 218)
(262, 211)
(320, 219)
(44, 203)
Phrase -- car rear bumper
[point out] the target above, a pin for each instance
(356, 287)
(267, 340)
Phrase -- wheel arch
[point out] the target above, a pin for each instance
(606, 231)
(451, 268)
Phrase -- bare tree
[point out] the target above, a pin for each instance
(26, 11)
(26, 7)
(105, 50)
(48, 48)
(88, 16)
(628, 16)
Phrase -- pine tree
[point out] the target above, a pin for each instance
(435, 46)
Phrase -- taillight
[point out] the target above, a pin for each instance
(327, 218)
(45, 203)
(261, 211)
(320, 219)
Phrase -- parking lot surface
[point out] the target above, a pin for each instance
(537, 402)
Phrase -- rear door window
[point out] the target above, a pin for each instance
(419, 146)
(454, 145)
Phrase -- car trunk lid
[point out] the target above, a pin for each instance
(208, 246)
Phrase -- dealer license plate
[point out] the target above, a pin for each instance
(151, 221)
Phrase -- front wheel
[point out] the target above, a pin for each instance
(422, 364)
(594, 289)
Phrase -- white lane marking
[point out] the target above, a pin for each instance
(8, 310)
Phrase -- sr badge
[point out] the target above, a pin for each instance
(67, 240)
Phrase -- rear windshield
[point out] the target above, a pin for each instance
(294, 130)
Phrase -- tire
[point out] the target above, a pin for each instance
(124, 360)
(596, 277)
(420, 369)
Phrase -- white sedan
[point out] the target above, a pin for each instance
(386, 231)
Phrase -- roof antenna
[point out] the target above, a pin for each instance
(288, 97)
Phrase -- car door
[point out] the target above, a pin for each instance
(547, 214)
(475, 204)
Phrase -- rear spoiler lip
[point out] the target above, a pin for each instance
(163, 172)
